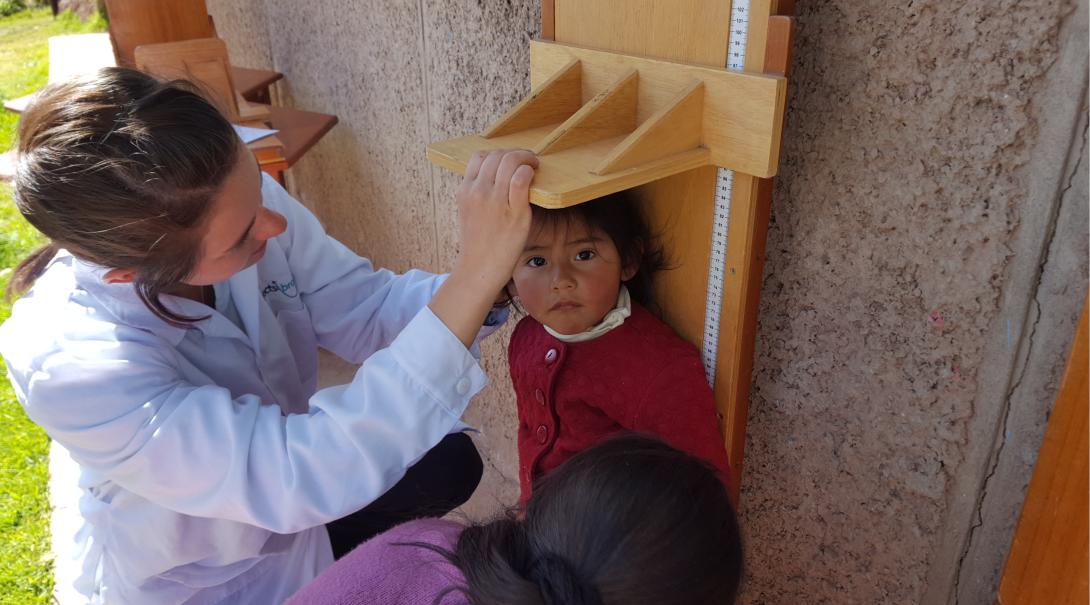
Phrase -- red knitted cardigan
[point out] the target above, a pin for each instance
(640, 376)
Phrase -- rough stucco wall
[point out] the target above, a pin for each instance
(245, 30)
(898, 202)
(899, 229)
(478, 67)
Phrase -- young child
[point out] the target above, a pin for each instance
(591, 360)
(629, 520)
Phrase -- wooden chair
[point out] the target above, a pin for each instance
(135, 23)
(205, 62)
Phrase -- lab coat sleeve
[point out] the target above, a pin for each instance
(355, 309)
(122, 411)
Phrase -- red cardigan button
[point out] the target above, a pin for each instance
(542, 433)
(540, 396)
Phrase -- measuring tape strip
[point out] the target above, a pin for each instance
(724, 184)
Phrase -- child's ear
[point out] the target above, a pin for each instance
(633, 266)
(507, 294)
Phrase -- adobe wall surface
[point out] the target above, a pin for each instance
(927, 257)
(903, 290)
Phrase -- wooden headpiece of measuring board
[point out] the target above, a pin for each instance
(601, 122)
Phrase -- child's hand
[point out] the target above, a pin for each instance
(494, 213)
(494, 221)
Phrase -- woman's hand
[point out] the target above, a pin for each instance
(494, 213)
(494, 221)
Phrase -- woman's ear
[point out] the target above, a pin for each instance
(119, 276)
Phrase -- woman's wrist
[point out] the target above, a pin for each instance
(463, 302)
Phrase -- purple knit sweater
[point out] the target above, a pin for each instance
(382, 572)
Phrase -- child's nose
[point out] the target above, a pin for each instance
(562, 278)
(269, 224)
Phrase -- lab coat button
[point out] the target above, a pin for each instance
(540, 396)
(542, 433)
(462, 387)
(550, 356)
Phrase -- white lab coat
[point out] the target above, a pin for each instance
(208, 461)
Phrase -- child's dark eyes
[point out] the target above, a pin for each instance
(584, 255)
(536, 261)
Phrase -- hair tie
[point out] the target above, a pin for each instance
(560, 584)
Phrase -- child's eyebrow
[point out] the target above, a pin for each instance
(584, 240)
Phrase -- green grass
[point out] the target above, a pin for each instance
(26, 574)
(24, 55)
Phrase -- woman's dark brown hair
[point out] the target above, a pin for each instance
(120, 169)
(629, 521)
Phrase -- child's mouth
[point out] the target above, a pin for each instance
(565, 306)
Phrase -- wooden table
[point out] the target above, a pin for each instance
(253, 84)
(298, 131)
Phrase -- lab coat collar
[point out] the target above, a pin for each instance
(125, 304)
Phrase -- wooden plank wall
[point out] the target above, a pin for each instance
(1048, 561)
(680, 207)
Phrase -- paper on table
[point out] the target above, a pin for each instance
(249, 134)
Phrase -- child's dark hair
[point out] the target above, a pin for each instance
(618, 216)
(629, 521)
(120, 169)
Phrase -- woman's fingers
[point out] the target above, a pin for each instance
(511, 161)
(518, 193)
(494, 212)
(474, 166)
(487, 175)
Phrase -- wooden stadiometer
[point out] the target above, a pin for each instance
(601, 122)
(603, 115)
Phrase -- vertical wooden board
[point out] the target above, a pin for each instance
(750, 207)
(1050, 552)
(694, 31)
(751, 201)
(757, 34)
(680, 212)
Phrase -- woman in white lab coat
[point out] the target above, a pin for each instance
(168, 339)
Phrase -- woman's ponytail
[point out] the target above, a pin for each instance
(496, 561)
(30, 269)
(560, 584)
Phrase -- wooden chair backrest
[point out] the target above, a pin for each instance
(135, 23)
(203, 61)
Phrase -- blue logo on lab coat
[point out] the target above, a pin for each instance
(287, 289)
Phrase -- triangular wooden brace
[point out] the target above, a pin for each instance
(610, 113)
(554, 101)
(672, 129)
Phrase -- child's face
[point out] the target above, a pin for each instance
(568, 276)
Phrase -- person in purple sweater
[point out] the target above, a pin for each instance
(630, 520)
